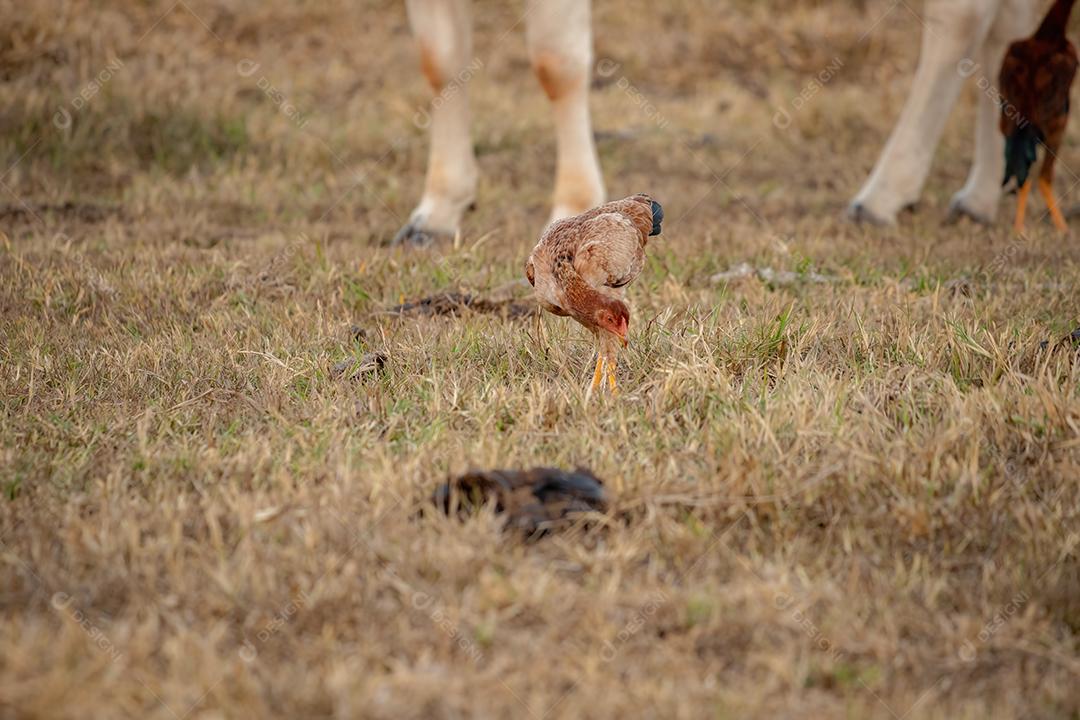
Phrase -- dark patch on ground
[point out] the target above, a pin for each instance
(83, 212)
(357, 368)
(456, 303)
(535, 501)
(1070, 340)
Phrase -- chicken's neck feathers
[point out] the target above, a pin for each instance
(1054, 24)
(581, 297)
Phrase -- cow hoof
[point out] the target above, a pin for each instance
(859, 213)
(958, 209)
(415, 236)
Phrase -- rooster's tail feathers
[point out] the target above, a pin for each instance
(1020, 154)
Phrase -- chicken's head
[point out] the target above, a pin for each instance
(613, 316)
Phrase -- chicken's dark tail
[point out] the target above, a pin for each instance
(657, 218)
(1020, 154)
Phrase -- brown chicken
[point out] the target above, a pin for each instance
(582, 265)
(1035, 80)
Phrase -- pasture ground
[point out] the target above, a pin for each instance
(855, 498)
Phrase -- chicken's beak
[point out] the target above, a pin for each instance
(620, 332)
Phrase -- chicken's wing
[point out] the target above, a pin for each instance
(611, 253)
(1053, 81)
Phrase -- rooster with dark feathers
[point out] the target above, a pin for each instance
(1035, 80)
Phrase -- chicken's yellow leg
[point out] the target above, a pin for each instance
(598, 375)
(1047, 191)
(611, 377)
(1021, 204)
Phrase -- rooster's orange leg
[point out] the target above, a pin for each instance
(1021, 205)
(1054, 136)
(611, 376)
(1047, 191)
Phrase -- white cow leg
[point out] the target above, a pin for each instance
(443, 31)
(560, 46)
(955, 28)
(979, 197)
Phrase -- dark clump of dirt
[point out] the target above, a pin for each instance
(355, 368)
(456, 303)
(357, 332)
(1070, 340)
(83, 212)
(535, 501)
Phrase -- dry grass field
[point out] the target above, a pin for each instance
(854, 498)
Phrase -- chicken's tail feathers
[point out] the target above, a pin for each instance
(657, 218)
(1020, 154)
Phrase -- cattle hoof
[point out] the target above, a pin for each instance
(858, 213)
(414, 236)
(958, 210)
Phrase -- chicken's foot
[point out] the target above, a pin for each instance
(541, 337)
(605, 367)
(1021, 206)
(598, 376)
(1047, 191)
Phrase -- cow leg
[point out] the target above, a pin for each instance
(979, 197)
(954, 30)
(443, 31)
(559, 37)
